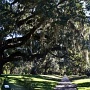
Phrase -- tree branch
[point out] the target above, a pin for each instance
(12, 56)
(26, 20)
(15, 42)
(32, 56)
(62, 1)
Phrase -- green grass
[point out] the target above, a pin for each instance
(83, 84)
(35, 82)
(43, 82)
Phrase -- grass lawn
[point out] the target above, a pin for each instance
(42, 82)
(33, 82)
(83, 84)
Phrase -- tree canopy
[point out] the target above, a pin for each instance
(32, 29)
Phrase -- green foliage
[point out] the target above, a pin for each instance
(44, 25)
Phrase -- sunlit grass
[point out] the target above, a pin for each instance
(53, 76)
(39, 79)
(81, 81)
(83, 84)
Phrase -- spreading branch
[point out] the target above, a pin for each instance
(11, 43)
(26, 20)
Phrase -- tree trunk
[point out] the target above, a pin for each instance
(1, 63)
(87, 59)
(46, 68)
(1, 68)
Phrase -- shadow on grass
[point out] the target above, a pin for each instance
(86, 84)
(28, 83)
(46, 77)
(33, 76)
(40, 85)
(31, 84)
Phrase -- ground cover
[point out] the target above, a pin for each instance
(42, 82)
(83, 84)
(32, 82)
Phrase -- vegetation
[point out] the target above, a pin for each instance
(44, 82)
(46, 36)
(83, 84)
(39, 37)
(30, 82)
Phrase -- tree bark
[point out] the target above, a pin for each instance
(1, 67)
